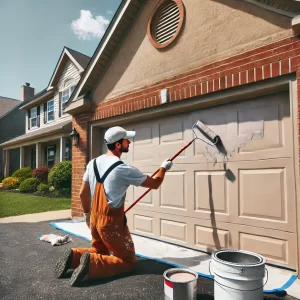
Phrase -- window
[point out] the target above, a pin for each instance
(50, 156)
(67, 151)
(33, 117)
(33, 159)
(66, 94)
(50, 110)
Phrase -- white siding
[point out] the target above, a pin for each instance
(70, 71)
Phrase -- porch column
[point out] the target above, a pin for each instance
(6, 163)
(39, 154)
(22, 150)
(62, 149)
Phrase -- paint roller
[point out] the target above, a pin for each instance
(206, 131)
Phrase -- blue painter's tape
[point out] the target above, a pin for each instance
(287, 285)
(280, 290)
(171, 264)
(72, 233)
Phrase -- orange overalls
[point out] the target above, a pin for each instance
(112, 251)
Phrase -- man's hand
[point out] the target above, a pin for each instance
(87, 218)
(167, 164)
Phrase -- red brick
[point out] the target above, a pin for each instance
(275, 69)
(210, 86)
(216, 85)
(193, 90)
(258, 74)
(250, 75)
(198, 89)
(243, 77)
(222, 83)
(236, 79)
(266, 71)
(204, 87)
(229, 81)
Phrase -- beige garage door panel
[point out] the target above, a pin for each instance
(194, 192)
(264, 194)
(266, 119)
(207, 235)
(278, 247)
(186, 231)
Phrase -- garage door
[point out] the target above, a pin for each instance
(244, 200)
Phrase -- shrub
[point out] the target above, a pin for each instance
(65, 193)
(43, 188)
(10, 183)
(50, 175)
(41, 173)
(29, 185)
(60, 176)
(23, 174)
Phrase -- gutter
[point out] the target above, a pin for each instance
(38, 99)
(272, 9)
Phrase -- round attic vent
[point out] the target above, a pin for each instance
(165, 23)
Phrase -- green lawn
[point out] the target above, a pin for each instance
(14, 204)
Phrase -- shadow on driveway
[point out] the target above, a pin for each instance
(26, 271)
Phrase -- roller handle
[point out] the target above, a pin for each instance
(143, 195)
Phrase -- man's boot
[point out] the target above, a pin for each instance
(64, 264)
(82, 270)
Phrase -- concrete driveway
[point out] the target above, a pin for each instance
(26, 271)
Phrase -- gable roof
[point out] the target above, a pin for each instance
(80, 61)
(81, 58)
(7, 104)
(116, 33)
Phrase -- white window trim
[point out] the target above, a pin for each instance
(50, 111)
(70, 91)
(67, 153)
(30, 119)
(49, 147)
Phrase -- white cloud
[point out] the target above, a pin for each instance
(88, 27)
(109, 12)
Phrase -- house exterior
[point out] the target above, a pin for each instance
(12, 122)
(235, 66)
(46, 139)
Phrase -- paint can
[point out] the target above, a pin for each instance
(180, 284)
(238, 275)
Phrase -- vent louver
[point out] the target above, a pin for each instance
(165, 23)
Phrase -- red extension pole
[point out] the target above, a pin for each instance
(136, 201)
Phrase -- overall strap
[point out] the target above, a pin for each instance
(107, 172)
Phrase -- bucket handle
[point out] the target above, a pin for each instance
(229, 287)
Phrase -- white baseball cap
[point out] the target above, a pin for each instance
(117, 133)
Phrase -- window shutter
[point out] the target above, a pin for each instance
(59, 104)
(38, 116)
(45, 113)
(28, 112)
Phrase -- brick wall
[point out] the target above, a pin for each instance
(270, 61)
(79, 160)
(262, 63)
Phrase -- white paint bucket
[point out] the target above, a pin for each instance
(180, 284)
(238, 275)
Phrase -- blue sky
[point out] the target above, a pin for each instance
(34, 32)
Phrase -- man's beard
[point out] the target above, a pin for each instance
(124, 149)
